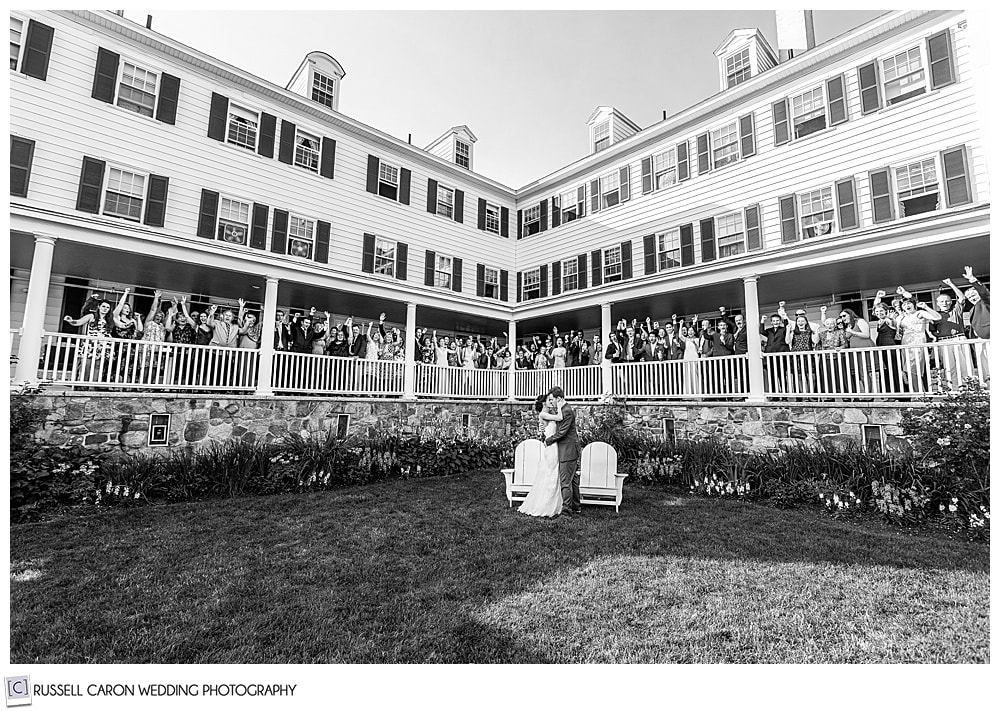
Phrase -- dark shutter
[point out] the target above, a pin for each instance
(581, 200)
(402, 251)
(543, 215)
(958, 190)
(543, 281)
(707, 229)
(37, 47)
(647, 175)
(480, 279)
(747, 144)
(156, 201)
(836, 101)
(368, 253)
(279, 232)
(265, 137)
(217, 116)
(520, 221)
(166, 104)
(459, 211)
(595, 195)
(624, 191)
(751, 216)
(286, 143)
(627, 260)
(704, 164)
(105, 75)
(404, 186)
(519, 286)
(878, 182)
(779, 115)
(556, 278)
(649, 253)
(258, 228)
(481, 216)
(21, 153)
(207, 212)
(687, 245)
(432, 196)
(871, 99)
(429, 268)
(847, 207)
(789, 221)
(322, 252)
(88, 197)
(683, 170)
(940, 57)
(581, 271)
(328, 157)
(596, 267)
(505, 222)
(372, 183)
(504, 277)
(556, 212)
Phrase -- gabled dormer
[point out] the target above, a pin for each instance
(609, 125)
(318, 78)
(455, 145)
(743, 55)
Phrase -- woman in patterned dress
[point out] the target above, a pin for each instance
(95, 353)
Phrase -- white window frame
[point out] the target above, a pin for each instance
(812, 210)
(119, 80)
(897, 184)
(299, 235)
(491, 282)
(570, 272)
(568, 205)
(319, 77)
(606, 190)
(387, 181)
(304, 156)
(157, 421)
(531, 216)
(816, 112)
(385, 265)
(737, 66)
(459, 143)
(219, 220)
(531, 280)
(602, 132)
(16, 57)
(731, 150)
(442, 271)
(612, 270)
(492, 218)
(921, 56)
(231, 120)
(107, 189)
(725, 219)
(665, 242)
(664, 164)
(445, 202)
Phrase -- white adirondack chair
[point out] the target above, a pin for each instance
(521, 478)
(600, 482)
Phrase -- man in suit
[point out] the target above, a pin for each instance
(569, 453)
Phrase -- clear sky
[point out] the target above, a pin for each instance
(524, 82)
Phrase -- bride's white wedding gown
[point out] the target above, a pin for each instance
(545, 497)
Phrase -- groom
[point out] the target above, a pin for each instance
(569, 453)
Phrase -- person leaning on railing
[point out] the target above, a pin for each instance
(911, 327)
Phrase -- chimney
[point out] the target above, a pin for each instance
(149, 22)
(795, 33)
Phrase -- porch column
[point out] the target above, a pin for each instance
(755, 361)
(410, 353)
(511, 346)
(30, 347)
(606, 386)
(266, 362)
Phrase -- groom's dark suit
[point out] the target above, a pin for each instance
(569, 456)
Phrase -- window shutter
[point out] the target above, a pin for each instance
(543, 281)
(595, 195)
(624, 192)
(21, 153)
(940, 57)
(581, 271)
(328, 157)
(704, 165)
(871, 99)
(37, 47)
(404, 186)
(556, 213)
(751, 216)
(429, 268)
(627, 260)
(265, 137)
(519, 298)
(520, 222)
(958, 190)
(596, 267)
(88, 197)
(505, 222)
(156, 201)
(459, 210)
(402, 251)
(779, 115)
(207, 212)
(707, 229)
(322, 252)
(480, 279)
(748, 145)
(456, 274)
(371, 184)
(683, 169)
(105, 75)
(789, 220)
(687, 245)
(166, 104)
(504, 277)
(258, 227)
(649, 253)
(581, 199)
(432, 196)
(836, 100)
(217, 116)
(543, 215)
(847, 207)
(481, 217)
(647, 175)
(368, 254)
(878, 182)
(286, 143)
(556, 278)
(279, 232)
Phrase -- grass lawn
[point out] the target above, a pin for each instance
(441, 570)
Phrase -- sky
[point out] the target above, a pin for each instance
(524, 82)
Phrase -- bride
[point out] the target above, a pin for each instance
(545, 497)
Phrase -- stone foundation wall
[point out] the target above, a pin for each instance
(121, 421)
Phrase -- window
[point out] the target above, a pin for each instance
(609, 189)
(159, 430)
(234, 220)
(571, 204)
(873, 436)
(385, 257)
(665, 168)
(137, 89)
(669, 432)
(16, 31)
(668, 249)
(242, 127)
(816, 210)
(531, 287)
(726, 145)
(917, 188)
(570, 270)
(903, 76)
(388, 181)
(463, 153)
(307, 150)
(729, 232)
(738, 67)
(808, 112)
(613, 264)
(442, 271)
(300, 236)
(445, 202)
(343, 426)
(491, 283)
(532, 220)
(493, 218)
(602, 136)
(323, 89)
(124, 193)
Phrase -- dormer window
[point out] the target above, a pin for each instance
(602, 135)
(738, 67)
(323, 89)
(463, 154)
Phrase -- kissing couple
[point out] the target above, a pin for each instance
(557, 482)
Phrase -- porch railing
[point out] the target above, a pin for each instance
(328, 375)
(583, 382)
(726, 376)
(455, 382)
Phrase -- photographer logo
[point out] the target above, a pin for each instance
(18, 690)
